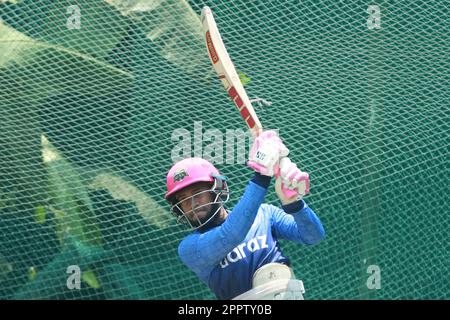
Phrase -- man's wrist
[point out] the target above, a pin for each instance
(294, 207)
(261, 180)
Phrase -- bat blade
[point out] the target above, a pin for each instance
(226, 71)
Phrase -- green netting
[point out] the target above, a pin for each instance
(99, 98)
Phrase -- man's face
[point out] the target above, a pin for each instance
(196, 202)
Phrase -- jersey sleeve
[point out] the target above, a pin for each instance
(201, 252)
(296, 222)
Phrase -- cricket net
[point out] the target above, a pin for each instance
(99, 98)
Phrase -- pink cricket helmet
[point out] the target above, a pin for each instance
(187, 172)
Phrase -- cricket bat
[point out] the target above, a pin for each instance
(226, 71)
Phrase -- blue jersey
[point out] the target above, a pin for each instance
(226, 256)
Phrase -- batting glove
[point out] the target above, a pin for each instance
(266, 152)
(293, 179)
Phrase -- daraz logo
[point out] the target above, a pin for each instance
(238, 253)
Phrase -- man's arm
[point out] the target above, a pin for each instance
(203, 251)
(297, 222)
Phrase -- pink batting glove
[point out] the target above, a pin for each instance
(266, 151)
(295, 183)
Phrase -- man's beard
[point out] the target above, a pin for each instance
(215, 221)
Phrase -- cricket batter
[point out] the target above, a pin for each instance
(228, 248)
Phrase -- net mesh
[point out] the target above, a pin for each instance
(98, 99)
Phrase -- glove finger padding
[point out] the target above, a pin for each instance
(293, 178)
(285, 197)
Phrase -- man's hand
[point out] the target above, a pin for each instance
(291, 178)
(266, 152)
